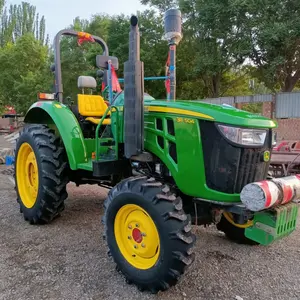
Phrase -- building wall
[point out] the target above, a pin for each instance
(4, 123)
(288, 106)
(288, 129)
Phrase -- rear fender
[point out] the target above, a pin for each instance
(59, 115)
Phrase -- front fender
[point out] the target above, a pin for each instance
(55, 113)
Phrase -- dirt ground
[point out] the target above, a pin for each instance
(68, 259)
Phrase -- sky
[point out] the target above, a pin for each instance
(61, 13)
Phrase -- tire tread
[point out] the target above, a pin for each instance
(158, 193)
(53, 174)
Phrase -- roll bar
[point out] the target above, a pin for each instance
(57, 58)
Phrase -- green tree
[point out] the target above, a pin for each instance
(24, 55)
(2, 3)
(224, 33)
(214, 32)
(19, 20)
(274, 27)
(74, 60)
(24, 72)
(114, 30)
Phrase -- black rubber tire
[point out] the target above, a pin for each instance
(52, 165)
(173, 225)
(234, 233)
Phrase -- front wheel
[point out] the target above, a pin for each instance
(40, 174)
(148, 234)
(235, 231)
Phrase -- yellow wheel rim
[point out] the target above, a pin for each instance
(228, 216)
(27, 176)
(137, 236)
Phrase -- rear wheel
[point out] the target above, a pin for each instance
(148, 234)
(40, 174)
(235, 231)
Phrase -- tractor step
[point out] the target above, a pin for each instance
(110, 167)
(269, 226)
(107, 142)
(108, 153)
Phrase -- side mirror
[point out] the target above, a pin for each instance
(100, 73)
(102, 61)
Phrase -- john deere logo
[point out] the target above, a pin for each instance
(266, 156)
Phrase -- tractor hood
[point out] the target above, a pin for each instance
(218, 113)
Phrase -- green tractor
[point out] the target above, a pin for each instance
(169, 164)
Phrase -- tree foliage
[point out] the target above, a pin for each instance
(114, 30)
(213, 31)
(23, 56)
(274, 27)
(227, 33)
(23, 71)
(18, 20)
(226, 44)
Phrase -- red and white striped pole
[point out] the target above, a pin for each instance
(265, 194)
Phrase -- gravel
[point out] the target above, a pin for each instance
(68, 258)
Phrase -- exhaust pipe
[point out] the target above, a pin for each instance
(134, 95)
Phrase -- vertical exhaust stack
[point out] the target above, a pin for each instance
(173, 34)
(134, 95)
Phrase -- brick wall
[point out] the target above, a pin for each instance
(288, 129)
(4, 123)
(267, 110)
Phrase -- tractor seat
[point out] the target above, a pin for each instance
(92, 107)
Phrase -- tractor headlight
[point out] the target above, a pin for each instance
(244, 136)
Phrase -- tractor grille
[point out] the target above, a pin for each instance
(228, 168)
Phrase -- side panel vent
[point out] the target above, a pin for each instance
(173, 151)
(171, 128)
(160, 141)
(159, 124)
